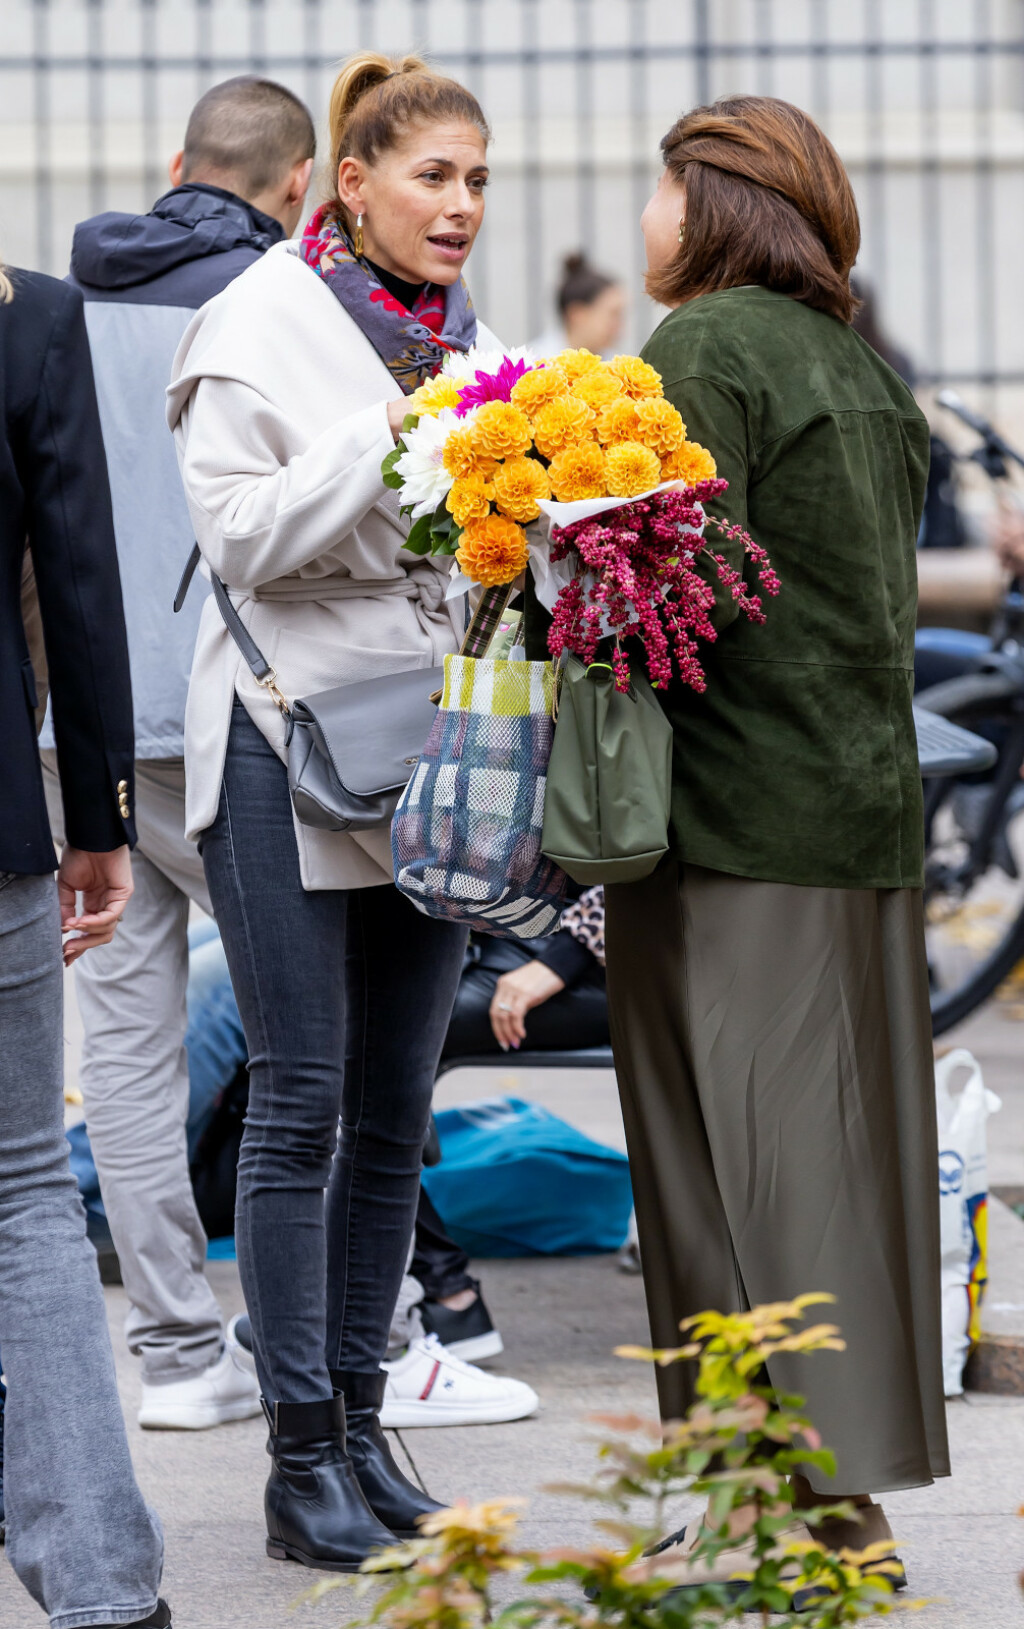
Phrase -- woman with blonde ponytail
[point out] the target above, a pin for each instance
(289, 389)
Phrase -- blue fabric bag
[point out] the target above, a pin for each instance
(515, 1180)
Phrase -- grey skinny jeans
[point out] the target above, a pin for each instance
(79, 1535)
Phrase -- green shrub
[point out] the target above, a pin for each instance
(738, 1446)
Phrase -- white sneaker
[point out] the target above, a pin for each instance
(427, 1386)
(218, 1394)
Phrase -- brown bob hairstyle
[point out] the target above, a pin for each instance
(768, 201)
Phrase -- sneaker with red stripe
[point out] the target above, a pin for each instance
(428, 1386)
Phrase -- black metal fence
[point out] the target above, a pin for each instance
(924, 98)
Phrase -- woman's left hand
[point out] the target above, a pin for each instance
(396, 414)
(514, 994)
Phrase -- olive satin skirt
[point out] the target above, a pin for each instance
(774, 1057)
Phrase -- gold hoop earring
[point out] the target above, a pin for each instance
(357, 240)
(682, 228)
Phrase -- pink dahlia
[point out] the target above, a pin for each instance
(491, 387)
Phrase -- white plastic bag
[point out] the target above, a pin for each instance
(963, 1208)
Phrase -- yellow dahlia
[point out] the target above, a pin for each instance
(659, 426)
(578, 472)
(538, 386)
(631, 468)
(598, 387)
(460, 456)
(469, 499)
(434, 394)
(638, 378)
(518, 483)
(619, 421)
(562, 423)
(501, 430)
(690, 463)
(576, 363)
(493, 550)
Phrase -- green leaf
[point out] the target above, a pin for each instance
(387, 469)
(418, 541)
(410, 422)
(444, 534)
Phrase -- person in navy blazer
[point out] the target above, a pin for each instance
(54, 496)
(79, 1534)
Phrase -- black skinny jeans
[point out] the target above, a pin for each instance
(344, 997)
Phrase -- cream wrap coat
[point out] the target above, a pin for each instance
(278, 406)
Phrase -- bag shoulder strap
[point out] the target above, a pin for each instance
(254, 658)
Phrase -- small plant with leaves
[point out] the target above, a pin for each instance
(738, 1447)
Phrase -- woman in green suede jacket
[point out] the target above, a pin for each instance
(767, 985)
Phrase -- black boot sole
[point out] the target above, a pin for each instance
(287, 1552)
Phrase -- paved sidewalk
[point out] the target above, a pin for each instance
(963, 1543)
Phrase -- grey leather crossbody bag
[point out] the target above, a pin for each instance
(351, 750)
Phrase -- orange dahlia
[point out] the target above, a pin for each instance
(469, 499)
(501, 430)
(619, 421)
(493, 550)
(690, 463)
(598, 387)
(434, 394)
(518, 483)
(631, 468)
(538, 386)
(460, 456)
(659, 426)
(578, 472)
(576, 363)
(562, 423)
(638, 378)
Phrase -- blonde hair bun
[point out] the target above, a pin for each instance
(360, 74)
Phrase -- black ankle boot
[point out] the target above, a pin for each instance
(315, 1508)
(390, 1495)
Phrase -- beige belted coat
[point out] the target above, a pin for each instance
(278, 403)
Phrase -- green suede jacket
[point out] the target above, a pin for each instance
(798, 764)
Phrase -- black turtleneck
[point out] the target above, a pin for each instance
(397, 287)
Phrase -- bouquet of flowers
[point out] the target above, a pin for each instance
(495, 440)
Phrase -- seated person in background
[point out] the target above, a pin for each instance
(945, 653)
(558, 981)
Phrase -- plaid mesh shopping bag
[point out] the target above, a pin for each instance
(466, 833)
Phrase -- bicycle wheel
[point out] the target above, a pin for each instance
(974, 866)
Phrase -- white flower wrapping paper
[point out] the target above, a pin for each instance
(551, 576)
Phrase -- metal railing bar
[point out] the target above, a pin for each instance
(726, 50)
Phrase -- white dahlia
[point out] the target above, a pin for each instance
(467, 364)
(425, 481)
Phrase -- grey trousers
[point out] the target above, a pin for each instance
(773, 1050)
(134, 1080)
(79, 1535)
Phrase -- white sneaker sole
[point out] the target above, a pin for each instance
(409, 1413)
(477, 1347)
(194, 1417)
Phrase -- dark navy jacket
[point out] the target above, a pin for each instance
(53, 492)
(142, 277)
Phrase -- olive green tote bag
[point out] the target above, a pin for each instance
(608, 793)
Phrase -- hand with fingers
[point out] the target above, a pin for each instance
(514, 995)
(104, 882)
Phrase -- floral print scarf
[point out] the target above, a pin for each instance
(411, 344)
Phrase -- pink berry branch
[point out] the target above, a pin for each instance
(634, 580)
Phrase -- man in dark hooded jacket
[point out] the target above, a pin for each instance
(238, 187)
